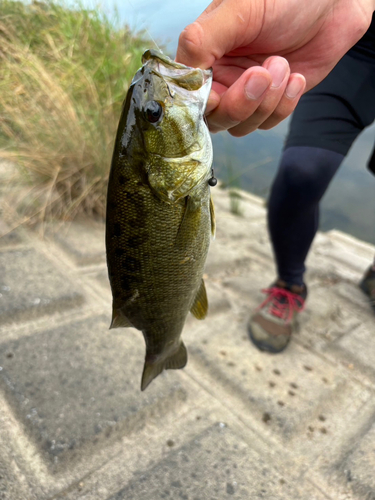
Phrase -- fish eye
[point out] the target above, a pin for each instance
(153, 111)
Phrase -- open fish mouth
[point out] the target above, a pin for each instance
(195, 81)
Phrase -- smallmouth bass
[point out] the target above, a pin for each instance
(160, 214)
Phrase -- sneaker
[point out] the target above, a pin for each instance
(367, 285)
(272, 325)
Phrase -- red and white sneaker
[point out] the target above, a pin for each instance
(271, 326)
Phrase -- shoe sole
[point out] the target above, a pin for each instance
(263, 346)
(363, 286)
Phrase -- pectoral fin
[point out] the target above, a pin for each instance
(152, 369)
(200, 306)
(213, 218)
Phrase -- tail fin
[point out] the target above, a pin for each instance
(152, 369)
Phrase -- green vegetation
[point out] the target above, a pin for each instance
(64, 74)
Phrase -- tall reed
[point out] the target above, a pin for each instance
(64, 74)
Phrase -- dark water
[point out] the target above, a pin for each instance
(251, 162)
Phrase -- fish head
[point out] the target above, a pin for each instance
(166, 108)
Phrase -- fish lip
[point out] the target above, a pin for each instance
(176, 74)
(168, 75)
(165, 61)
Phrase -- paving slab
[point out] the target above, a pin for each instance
(31, 286)
(357, 347)
(327, 317)
(341, 253)
(299, 425)
(83, 241)
(216, 465)
(223, 260)
(12, 482)
(352, 294)
(358, 469)
(77, 387)
(299, 398)
(103, 280)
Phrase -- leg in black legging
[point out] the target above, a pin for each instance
(293, 213)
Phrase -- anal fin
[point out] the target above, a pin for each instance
(152, 369)
(200, 306)
(119, 320)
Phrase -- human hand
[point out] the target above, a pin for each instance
(265, 54)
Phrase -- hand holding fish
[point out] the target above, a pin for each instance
(265, 54)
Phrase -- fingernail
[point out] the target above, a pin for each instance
(294, 87)
(278, 68)
(256, 86)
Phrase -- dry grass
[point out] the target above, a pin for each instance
(64, 75)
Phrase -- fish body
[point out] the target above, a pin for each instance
(159, 212)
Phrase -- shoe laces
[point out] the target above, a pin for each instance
(282, 303)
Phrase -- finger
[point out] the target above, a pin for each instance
(278, 68)
(218, 31)
(240, 100)
(229, 69)
(212, 103)
(294, 90)
(219, 88)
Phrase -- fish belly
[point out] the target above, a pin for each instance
(156, 254)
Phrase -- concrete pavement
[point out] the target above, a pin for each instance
(234, 424)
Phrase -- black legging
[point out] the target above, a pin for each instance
(293, 214)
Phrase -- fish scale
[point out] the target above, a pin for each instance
(159, 211)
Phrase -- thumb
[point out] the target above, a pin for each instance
(220, 29)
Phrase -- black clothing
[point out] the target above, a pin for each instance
(293, 208)
(333, 113)
(365, 47)
(324, 125)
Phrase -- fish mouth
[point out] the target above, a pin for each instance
(177, 171)
(171, 68)
(192, 83)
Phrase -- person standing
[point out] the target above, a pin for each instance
(264, 57)
(324, 125)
